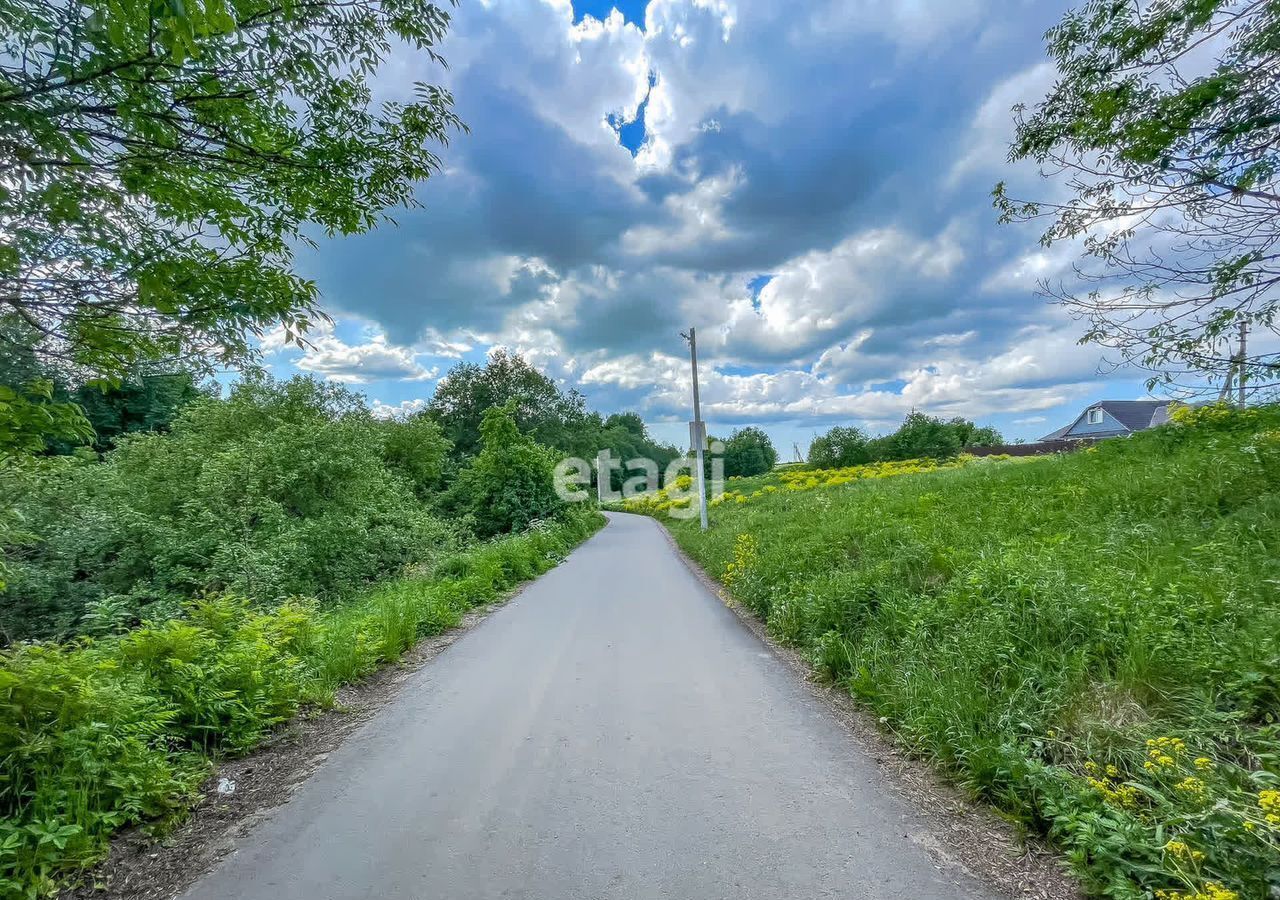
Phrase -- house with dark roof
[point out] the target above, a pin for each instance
(1114, 418)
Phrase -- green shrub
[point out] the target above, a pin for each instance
(1046, 630)
(283, 489)
(104, 733)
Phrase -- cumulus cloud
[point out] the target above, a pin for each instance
(844, 148)
(373, 359)
(399, 410)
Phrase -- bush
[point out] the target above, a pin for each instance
(1092, 641)
(285, 488)
(105, 733)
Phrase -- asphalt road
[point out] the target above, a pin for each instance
(614, 732)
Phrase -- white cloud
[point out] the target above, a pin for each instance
(986, 148)
(373, 360)
(399, 410)
(831, 296)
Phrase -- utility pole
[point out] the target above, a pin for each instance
(1244, 341)
(697, 429)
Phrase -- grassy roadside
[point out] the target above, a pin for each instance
(105, 733)
(1092, 642)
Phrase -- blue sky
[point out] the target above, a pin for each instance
(807, 184)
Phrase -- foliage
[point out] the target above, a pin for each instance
(552, 417)
(511, 483)
(105, 733)
(920, 436)
(138, 402)
(160, 162)
(468, 391)
(418, 450)
(748, 452)
(1163, 123)
(283, 488)
(625, 436)
(840, 447)
(30, 418)
(1090, 641)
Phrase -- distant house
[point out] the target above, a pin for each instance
(1114, 418)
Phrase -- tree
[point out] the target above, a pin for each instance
(749, 452)
(1173, 163)
(972, 435)
(511, 482)
(418, 449)
(538, 407)
(160, 159)
(139, 402)
(923, 436)
(841, 446)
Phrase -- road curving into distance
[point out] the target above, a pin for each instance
(614, 732)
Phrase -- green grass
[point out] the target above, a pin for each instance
(104, 733)
(1026, 625)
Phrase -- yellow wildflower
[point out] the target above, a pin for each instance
(1183, 851)
(1211, 891)
(1191, 785)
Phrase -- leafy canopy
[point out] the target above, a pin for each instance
(1165, 127)
(160, 159)
(840, 447)
(749, 452)
(537, 404)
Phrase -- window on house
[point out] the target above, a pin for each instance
(1095, 416)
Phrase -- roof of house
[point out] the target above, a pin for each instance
(1134, 415)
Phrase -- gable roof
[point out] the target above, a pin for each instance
(1134, 415)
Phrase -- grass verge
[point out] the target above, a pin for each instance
(101, 734)
(1090, 642)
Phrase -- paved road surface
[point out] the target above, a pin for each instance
(615, 732)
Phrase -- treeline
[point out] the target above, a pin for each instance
(551, 416)
(920, 437)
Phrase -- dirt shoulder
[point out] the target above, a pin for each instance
(963, 831)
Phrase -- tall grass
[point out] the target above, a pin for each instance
(1091, 642)
(103, 733)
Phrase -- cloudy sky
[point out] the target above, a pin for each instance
(806, 183)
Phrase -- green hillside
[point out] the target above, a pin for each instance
(1091, 642)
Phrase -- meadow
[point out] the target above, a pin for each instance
(1091, 642)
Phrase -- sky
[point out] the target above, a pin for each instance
(806, 184)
